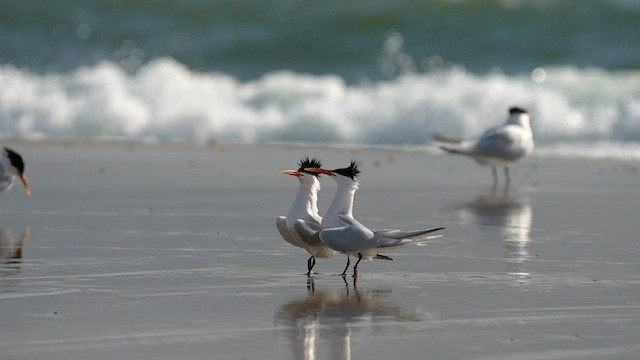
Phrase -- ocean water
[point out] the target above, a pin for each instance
(343, 73)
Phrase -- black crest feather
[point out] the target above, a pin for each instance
(516, 110)
(307, 162)
(15, 159)
(352, 171)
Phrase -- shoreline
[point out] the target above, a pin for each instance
(590, 151)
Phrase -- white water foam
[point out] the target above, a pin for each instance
(164, 100)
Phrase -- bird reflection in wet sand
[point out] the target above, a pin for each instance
(512, 216)
(325, 321)
(11, 251)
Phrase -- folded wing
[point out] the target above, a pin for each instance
(281, 224)
(503, 143)
(354, 237)
(308, 232)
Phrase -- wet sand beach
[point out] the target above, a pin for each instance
(132, 251)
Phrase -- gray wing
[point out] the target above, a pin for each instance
(345, 239)
(309, 232)
(353, 237)
(281, 224)
(502, 143)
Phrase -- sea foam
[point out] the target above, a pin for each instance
(166, 101)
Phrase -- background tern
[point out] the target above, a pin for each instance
(498, 146)
(301, 225)
(12, 166)
(343, 233)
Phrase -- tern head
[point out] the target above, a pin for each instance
(352, 171)
(516, 110)
(518, 115)
(302, 173)
(307, 162)
(17, 168)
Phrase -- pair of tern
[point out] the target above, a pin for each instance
(498, 146)
(12, 167)
(338, 231)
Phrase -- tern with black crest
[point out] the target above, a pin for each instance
(301, 225)
(343, 233)
(498, 146)
(12, 167)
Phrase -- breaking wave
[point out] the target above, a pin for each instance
(163, 100)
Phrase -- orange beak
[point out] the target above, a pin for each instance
(291, 172)
(27, 188)
(320, 171)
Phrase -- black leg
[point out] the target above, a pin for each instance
(344, 273)
(311, 286)
(310, 264)
(355, 267)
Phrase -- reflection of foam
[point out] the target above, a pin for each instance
(513, 217)
(327, 317)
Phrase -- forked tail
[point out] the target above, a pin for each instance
(454, 150)
(400, 234)
(447, 139)
(405, 242)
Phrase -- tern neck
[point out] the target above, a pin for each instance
(305, 204)
(520, 119)
(342, 203)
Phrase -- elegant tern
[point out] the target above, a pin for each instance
(12, 166)
(343, 233)
(301, 225)
(498, 146)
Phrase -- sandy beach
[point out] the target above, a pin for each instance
(132, 251)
